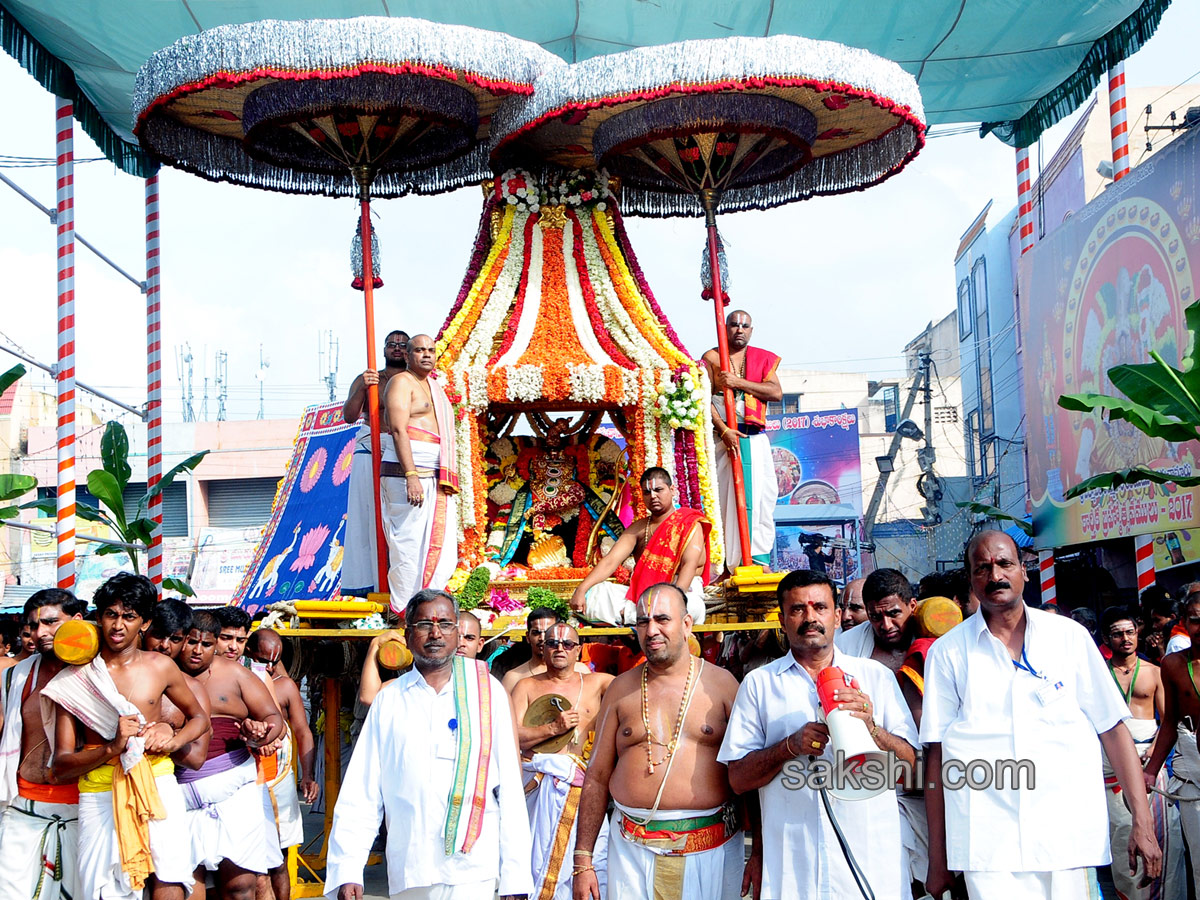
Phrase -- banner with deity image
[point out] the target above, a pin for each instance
(1109, 287)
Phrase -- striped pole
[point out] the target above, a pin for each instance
(1118, 123)
(1024, 200)
(154, 457)
(1143, 555)
(64, 530)
(1046, 569)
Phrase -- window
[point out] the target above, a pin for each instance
(174, 505)
(964, 309)
(789, 404)
(945, 415)
(983, 348)
(891, 407)
(240, 502)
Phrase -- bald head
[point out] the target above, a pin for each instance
(421, 355)
(738, 328)
(265, 645)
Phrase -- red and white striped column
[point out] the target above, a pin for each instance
(1143, 556)
(1046, 570)
(154, 455)
(64, 530)
(1118, 123)
(1024, 200)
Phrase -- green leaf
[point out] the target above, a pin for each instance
(1136, 475)
(993, 512)
(1156, 387)
(1145, 420)
(141, 530)
(9, 512)
(187, 465)
(13, 486)
(103, 486)
(1191, 362)
(114, 454)
(179, 586)
(10, 377)
(47, 507)
(108, 550)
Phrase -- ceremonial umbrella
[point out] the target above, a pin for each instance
(339, 107)
(742, 123)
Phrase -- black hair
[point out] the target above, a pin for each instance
(134, 592)
(233, 617)
(1165, 606)
(170, 617)
(957, 584)
(885, 582)
(655, 472)
(64, 600)
(205, 622)
(800, 578)
(986, 533)
(428, 595)
(1113, 615)
(541, 612)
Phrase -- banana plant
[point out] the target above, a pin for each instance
(994, 512)
(107, 484)
(1159, 401)
(13, 486)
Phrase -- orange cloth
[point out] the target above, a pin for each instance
(135, 803)
(664, 551)
(47, 793)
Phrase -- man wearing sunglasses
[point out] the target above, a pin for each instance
(537, 627)
(556, 756)
(360, 567)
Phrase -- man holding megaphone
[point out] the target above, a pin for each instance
(817, 733)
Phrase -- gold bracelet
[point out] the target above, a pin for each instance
(579, 870)
(583, 852)
(787, 745)
(874, 730)
(412, 472)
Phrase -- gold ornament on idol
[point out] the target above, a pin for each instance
(651, 765)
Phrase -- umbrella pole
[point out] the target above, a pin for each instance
(364, 181)
(709, 198)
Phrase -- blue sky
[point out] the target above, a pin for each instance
(835, 283)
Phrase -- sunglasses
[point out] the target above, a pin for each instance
(555, 643)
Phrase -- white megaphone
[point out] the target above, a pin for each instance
(862, 769)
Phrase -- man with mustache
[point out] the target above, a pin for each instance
(676, 831)
(1181, 715)
(360, 562)
(437, 759)
(1015, 683)
(777, 720)
(556, 755)
(1140, 683)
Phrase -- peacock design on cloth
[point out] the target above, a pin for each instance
(265, 583)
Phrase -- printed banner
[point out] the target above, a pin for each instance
(1109, 287)
(300, 554)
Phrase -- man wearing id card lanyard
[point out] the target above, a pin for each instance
(1014, 683)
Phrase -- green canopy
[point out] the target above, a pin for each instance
(1015, 66)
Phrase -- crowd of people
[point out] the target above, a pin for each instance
(649, 766)
(161, 764)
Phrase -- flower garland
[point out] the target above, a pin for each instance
(479, 254)
(522, 286)
(518, 188)
(679, 400)
(710, 492)
(599, 326)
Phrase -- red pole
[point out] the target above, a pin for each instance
(64, 526)
(154, 459)
(710, 199)
(373, 389)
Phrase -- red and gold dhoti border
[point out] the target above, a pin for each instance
(679, 837)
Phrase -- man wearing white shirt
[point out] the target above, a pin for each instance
(776, 719)
(444, 724)
(1013, 683)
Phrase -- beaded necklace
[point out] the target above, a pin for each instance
(684, 702)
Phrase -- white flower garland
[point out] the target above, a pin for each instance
(524, 383)
(679, 401)
(587, 383)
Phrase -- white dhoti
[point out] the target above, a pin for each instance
(609, 602)
(422, 540)
(225, 819)
(284, 806)
(481, 890)
(39, 844)
(360, 569)
(1171, 885)
(1185, 784)
(553, 787)
(663, 869)
(914, 835)
(1062, 884)
(100, 874)
(762, 492)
